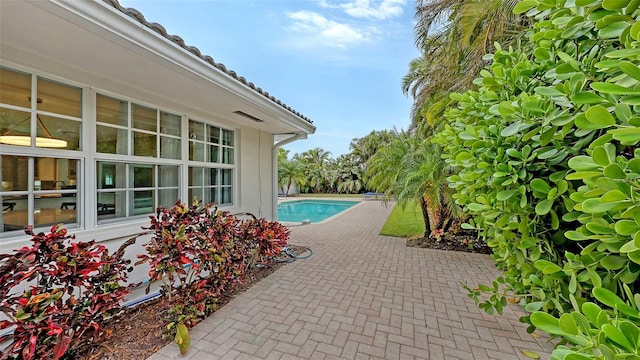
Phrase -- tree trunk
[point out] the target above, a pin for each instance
(425, 217)
(434, 214)
(288, 188)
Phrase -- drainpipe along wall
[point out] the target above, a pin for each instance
(274, 158)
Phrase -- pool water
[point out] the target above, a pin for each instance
(314, 210)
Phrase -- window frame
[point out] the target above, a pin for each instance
(87, 156)
(219, 165)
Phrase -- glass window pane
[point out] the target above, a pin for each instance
(170, 124)
(143, 202)
(214, 153)
(226, 195)
(168, 176)
(14, 213)
(15, 173)
(50, 127)
(142, 176)
(144, 118)
(167, 197)
(169, 148)
(55, 174)
(195, 176)
(227, 176)
(196, 151)
(227, 137)
(112, 111)
(111, 205)
(227, 155)
(111, 175)
(214, 134)
(214, 176)
(196, 130)
(214, 194)
(15, 88)
(144, 144)
(15, 127)
(59, 98)
(50, 211)
(111, 140)
(195, 193)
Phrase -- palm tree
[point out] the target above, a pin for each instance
(454, 36)
(290, 173)
(363, 148)
(315, 163)
(410, 169)
(349, 175)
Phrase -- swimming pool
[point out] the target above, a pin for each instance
(314, 210)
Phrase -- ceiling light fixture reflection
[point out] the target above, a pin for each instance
(25, 140)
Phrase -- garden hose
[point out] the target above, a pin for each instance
(291, 255)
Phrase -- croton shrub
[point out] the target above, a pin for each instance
(197, 252)
(546, 160)
(57, 293)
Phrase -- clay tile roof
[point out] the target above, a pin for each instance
(137, 15)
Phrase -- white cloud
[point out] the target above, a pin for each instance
(382, 10)
(324, 31)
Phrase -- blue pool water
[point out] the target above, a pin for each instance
(314, 210)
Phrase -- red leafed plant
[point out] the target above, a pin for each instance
(56, 293)
(198, 252)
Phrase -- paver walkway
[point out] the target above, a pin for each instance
(362, 296)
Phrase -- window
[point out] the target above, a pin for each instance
(133, 187)
(40, 126)
(143, 157)
(147, 132)
(126, 189)
(50, 198)
(211, 171)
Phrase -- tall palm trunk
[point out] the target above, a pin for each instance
(425, 216)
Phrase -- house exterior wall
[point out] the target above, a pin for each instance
(252, 184)
(101, 52)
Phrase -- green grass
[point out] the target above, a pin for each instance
(404, 222)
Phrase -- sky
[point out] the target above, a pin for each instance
(338, 62)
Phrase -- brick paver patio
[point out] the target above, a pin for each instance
(363, 296)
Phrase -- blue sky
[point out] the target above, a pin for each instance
(338, 62)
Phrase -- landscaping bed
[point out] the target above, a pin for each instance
(137, 332)
(466, 241)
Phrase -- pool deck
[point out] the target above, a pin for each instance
(363, 296)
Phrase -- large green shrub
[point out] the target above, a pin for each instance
(547, 166)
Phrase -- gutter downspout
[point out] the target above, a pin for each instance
(274, 159)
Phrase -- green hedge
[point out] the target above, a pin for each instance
(546, 163)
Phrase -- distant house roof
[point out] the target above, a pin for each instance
(137, 15)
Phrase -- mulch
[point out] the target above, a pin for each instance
(137, 333)
(466, 241)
